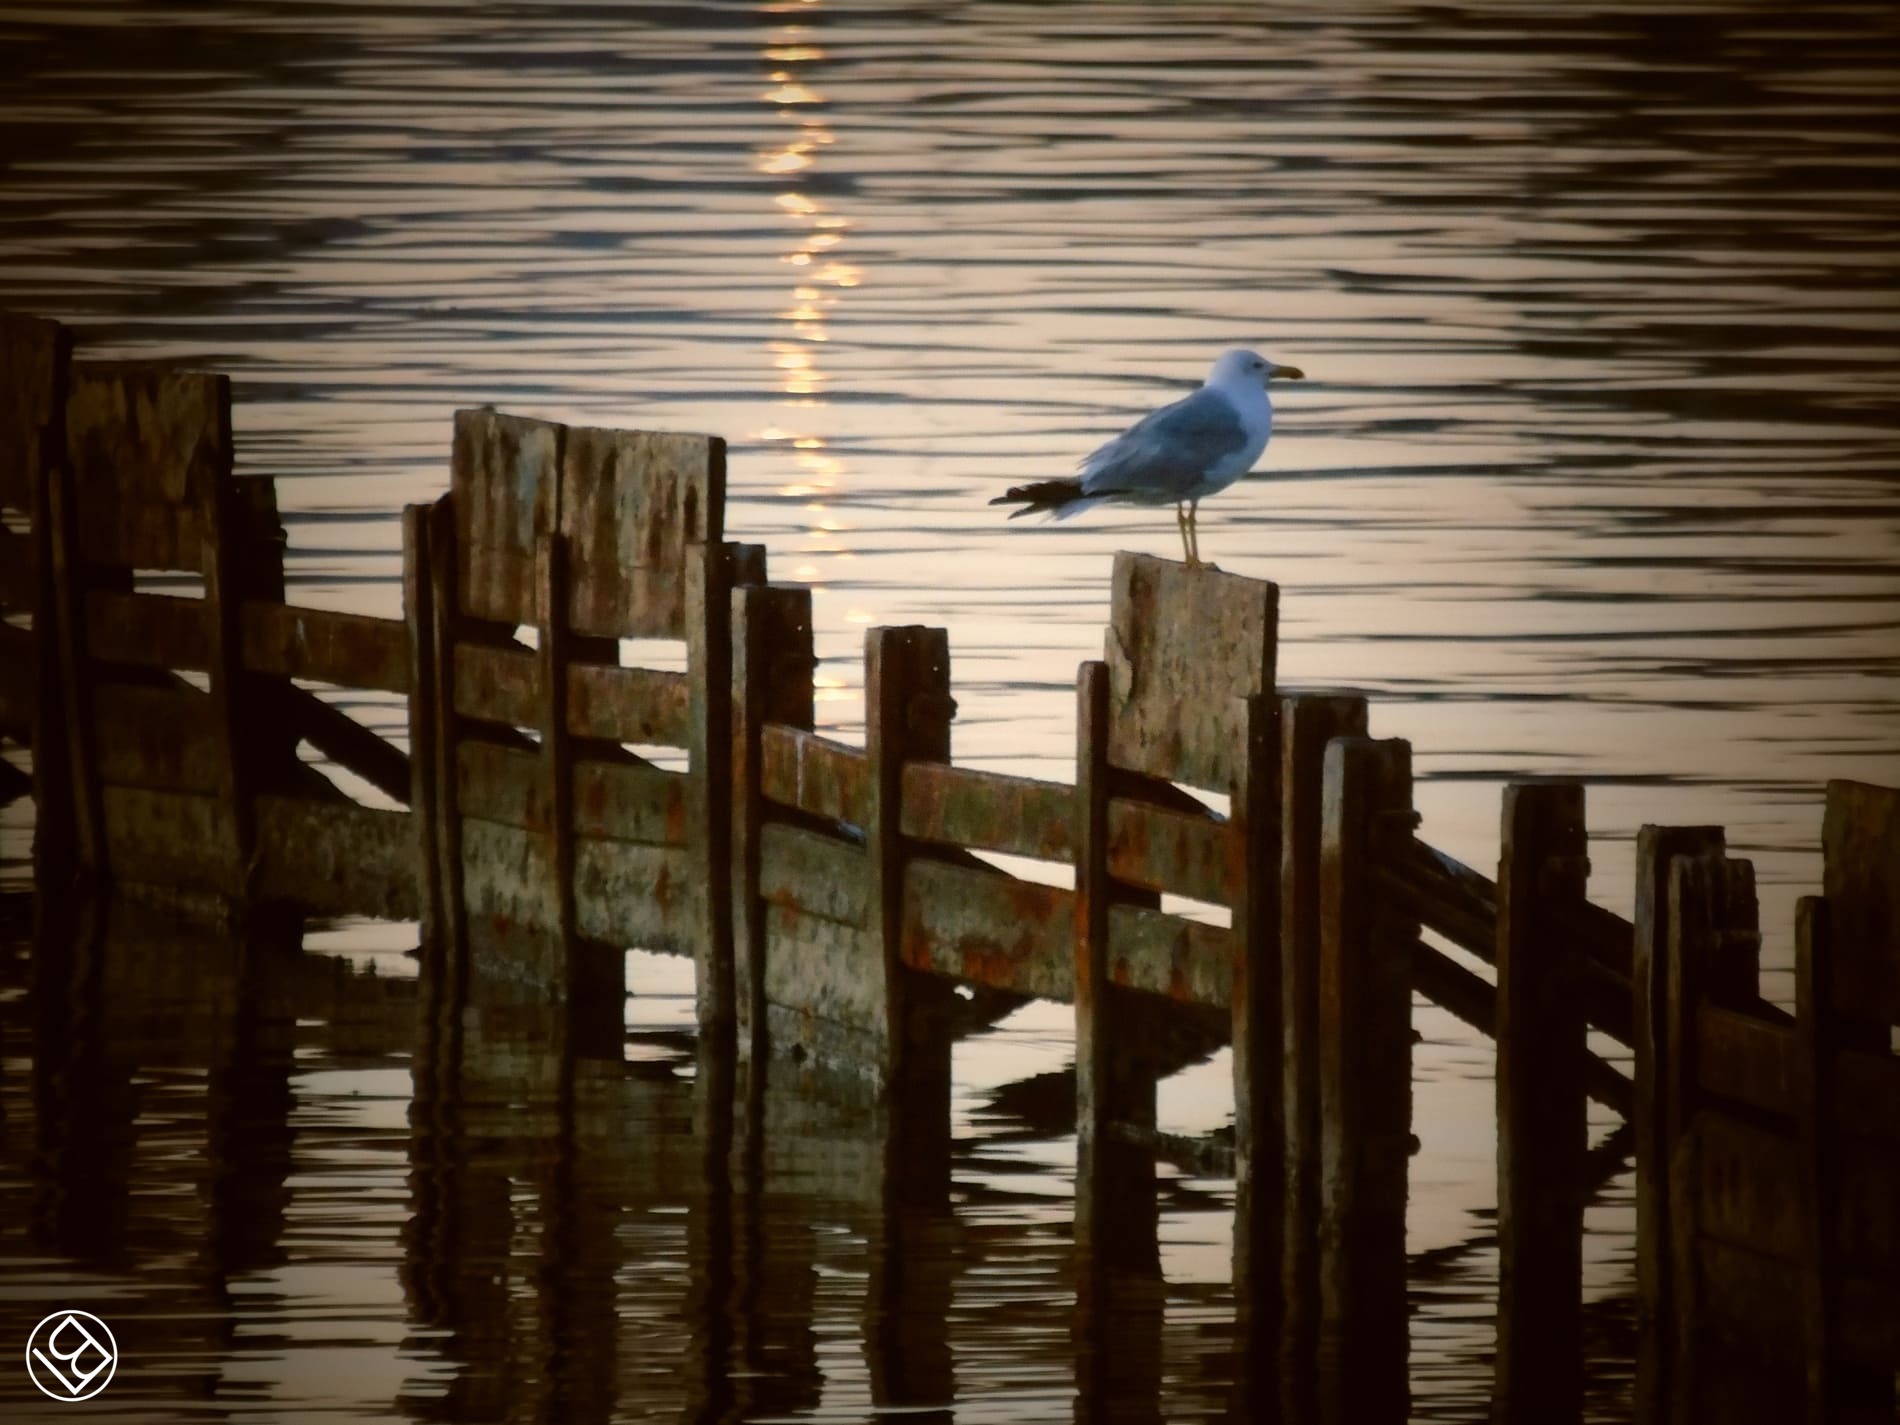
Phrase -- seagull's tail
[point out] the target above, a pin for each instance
(1061, 498)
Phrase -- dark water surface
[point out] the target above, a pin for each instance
(1595, 473)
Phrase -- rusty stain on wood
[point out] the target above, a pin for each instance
(798, 768)
(988, 811)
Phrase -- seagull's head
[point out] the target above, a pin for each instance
(1240, 367)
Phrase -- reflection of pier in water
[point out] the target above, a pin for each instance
(579, 1236)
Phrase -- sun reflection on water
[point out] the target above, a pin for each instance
(803, 326)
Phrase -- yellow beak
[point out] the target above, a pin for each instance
(1291, 373)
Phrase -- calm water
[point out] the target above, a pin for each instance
(1594, 473)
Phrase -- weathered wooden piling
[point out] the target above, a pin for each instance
(1542, 1135)
(1308, 723)
(1365, 1083)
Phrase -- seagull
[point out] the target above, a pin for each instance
(1178, 455)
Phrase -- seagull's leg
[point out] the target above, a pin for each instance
(1194, 532)
(1181, 523)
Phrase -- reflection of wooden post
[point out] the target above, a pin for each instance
(771, 682)
(1253, 891)
(1542, 1134)
(1365, 1083)
(1656, 846)
(1308, 721)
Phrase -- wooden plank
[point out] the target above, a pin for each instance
(497, 683)
(159, 737)
(1163, 850)
(1542, 1133)
(1860, 842)
(818, 875)
(347, 743)
(325, 646)
(337, 858)
(1308, 722)
(631, 504)
(1167, 955)
(644, 897)
(504, 486)
(168, 838)
(630, 801)
(35, 356)
(986, 928)
(821, 989)
(1747, 1185)
(1182, 645)
(800, 769)
(147, 630)
(989, 811)
(1745, 1057)
(19, 571)
(771, 682)
(618, 704)
(1867, 1093)
(1656, 848)
(146, 445)
(1365, 1063)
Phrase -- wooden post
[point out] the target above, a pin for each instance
(1308, 722)
(557, 753)
(1816, 1040)
(221, 547)
(38, 361)
(712, 572)
(1365, 1063)
(1253, 892)
(68, 590)
(1542, 1132)
(445, 626)
(771, 682)
(907, 712)
(1656, 846)
(419, 618)
(1112, 1082)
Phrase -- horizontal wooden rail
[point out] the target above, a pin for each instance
(349, 744)
(800, 769)
(613, 801)
(989, 811)
(284, 640)
(605, 702)
(1461, 904)
(1158, 849)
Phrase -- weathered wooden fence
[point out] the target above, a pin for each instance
(837, 898)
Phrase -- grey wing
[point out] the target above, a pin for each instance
(1165, 455)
